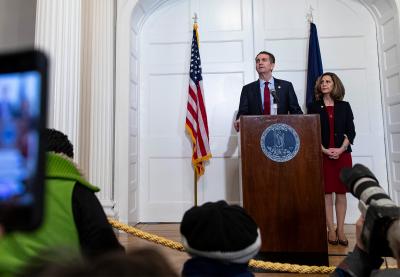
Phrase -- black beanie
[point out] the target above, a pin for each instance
(220, 231)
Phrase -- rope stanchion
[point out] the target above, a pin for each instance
(291, 268)
(147, 236)
(277, 267)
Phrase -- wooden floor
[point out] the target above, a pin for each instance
(177, 259)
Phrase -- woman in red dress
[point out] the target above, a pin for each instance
(337, 133)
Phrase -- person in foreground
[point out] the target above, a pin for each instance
(377, 230)
(337, 133)
(221, 239)
(360, 263)
(267, 95)
(139, 262)
(73, 220)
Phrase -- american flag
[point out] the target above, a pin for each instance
(196, 117)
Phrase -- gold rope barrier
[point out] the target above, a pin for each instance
(144, 235)
(281, 267)
(292, 268)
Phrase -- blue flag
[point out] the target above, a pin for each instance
(314, 64)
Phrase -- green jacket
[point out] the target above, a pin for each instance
(58, 230)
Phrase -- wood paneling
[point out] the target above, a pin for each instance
(286, 199)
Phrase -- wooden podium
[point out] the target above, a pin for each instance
(285, 198)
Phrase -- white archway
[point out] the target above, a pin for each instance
(130, 17)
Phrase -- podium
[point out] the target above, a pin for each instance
(282, 186)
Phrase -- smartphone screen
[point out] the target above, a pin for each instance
(22, 121)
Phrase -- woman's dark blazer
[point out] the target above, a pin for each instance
(343, 122)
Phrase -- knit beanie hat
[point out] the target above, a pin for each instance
(220, 231)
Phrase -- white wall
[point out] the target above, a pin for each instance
(17, 24)
(229, 40)
(386, 14)
(226, 49)
(78, 37)
(131, 11)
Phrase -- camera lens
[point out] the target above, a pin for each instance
(367, 189)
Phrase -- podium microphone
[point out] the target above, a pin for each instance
(275, 96)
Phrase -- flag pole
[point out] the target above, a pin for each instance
(314, 67)
(195, 17)
(196, 118)
(195, 188)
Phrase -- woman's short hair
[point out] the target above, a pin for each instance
(338, 88)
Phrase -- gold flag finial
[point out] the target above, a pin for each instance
(195, 18)
(309, 15)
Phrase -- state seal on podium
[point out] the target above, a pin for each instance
(280, 142)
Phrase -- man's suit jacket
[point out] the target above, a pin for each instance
(250, 99)
(343, 122)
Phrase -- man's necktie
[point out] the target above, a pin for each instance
(267, 101)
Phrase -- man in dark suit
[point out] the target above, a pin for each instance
(267, 95)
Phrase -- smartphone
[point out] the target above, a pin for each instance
(23, 94)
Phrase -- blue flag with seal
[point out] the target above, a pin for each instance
(314, 69)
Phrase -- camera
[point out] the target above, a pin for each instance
(376, 206)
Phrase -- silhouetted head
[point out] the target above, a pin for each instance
(220, 231)
(140, 262)
(58, 142)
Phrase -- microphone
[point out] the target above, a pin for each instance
(275, 96)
